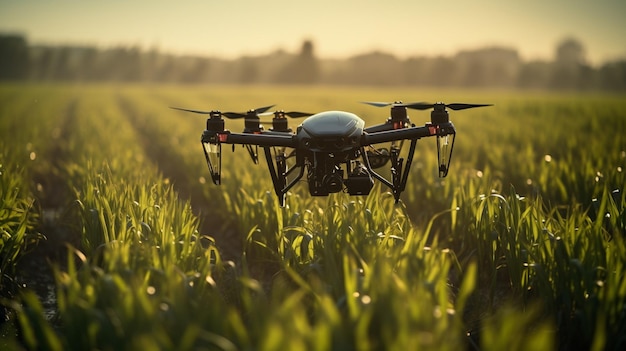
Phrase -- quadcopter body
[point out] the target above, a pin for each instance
(333, 150)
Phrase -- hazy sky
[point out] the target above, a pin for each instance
(338, 28)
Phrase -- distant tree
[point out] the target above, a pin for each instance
(304, 69)
(475, 73)
(166, 71)
(443, 72)
(534, 75)
(195, 71)
(571, 52)
(488, 67)
(306, 64)
(14, 58)
(569, 65)
(612, 76)
(375, 68)
(41, 61)
(89, 64)
(61, 69)
(491, 66)
(127, 64)
(414, 70)
(248, 70)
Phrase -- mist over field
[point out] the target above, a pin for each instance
(484, 67)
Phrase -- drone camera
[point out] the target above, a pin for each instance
(322, 185)
(333, 182)
(359, 182)
(378, 158)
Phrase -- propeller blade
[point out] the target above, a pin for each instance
(188, 110)
(419, 106)
(376, 103)
(292, 114)
(233, 115)
(454, 106)
(263, 109)
(424, 105)
(257, 111)
(459, 106)
(393, 104)
(296, 114)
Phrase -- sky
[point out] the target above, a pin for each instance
(337, 28)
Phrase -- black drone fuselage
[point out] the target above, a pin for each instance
(333, 148)
(330, 149)
(328, 140)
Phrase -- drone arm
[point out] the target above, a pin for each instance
(257, 139)
(379, 128)
(390, 124)
(398, 134)
(372, 172)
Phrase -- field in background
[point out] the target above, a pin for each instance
(522, 244)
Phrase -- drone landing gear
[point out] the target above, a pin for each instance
(253, 152)
(399, 172)
(359, 181)
(359, 178)
(279, 173)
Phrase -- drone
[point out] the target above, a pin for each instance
(332, 149)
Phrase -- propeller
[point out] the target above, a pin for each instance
(261, 111)
(256, 112)
(233, 115)
(454, 106)
(425, 105)
(193, 111)
(279, 122)
(393, 104)
(292, 114)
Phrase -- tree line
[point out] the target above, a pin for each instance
(491, 67)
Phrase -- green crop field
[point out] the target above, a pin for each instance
(105, 193)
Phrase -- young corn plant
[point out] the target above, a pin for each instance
(536, 256)
(17, 219)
